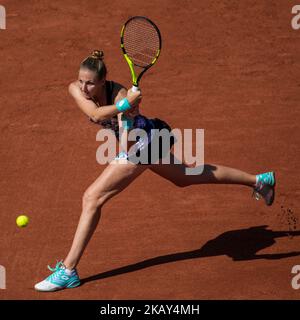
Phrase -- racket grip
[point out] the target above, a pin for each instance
(135, 88)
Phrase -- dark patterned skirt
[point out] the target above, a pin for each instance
(153, 146)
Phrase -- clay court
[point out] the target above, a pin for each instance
(228, 67)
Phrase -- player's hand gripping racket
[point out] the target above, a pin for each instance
(141, 46)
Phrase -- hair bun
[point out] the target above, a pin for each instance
(97, 54)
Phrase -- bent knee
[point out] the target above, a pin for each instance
(93, 201)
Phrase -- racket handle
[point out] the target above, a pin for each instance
(135, 88)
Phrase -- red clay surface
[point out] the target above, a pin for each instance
(230, 67)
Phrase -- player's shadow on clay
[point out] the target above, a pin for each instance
(237, 244)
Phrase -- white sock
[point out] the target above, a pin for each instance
(68, 271)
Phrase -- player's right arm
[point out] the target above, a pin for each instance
(90, 108)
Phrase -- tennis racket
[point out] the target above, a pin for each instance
(141, 46)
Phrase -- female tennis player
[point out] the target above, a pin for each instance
(106, 103)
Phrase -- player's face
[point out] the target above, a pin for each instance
(89, 83)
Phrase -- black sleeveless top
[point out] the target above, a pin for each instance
(140, 121)
(113, 122)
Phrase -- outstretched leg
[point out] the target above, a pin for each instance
(212, 173)
(115, 178)
(263, 184)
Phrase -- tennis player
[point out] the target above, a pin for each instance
(108, 103)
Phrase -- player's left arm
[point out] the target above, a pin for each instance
(120, 93)
(124, 117)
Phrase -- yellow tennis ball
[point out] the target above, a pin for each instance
(22, 221)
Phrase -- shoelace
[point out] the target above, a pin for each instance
(58, 266)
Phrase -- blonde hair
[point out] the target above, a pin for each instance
(94, 62)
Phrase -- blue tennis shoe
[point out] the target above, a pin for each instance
(265, 187)
(60, 278)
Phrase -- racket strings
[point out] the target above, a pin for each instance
(141, 42)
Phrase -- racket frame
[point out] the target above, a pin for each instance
(131, 64)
